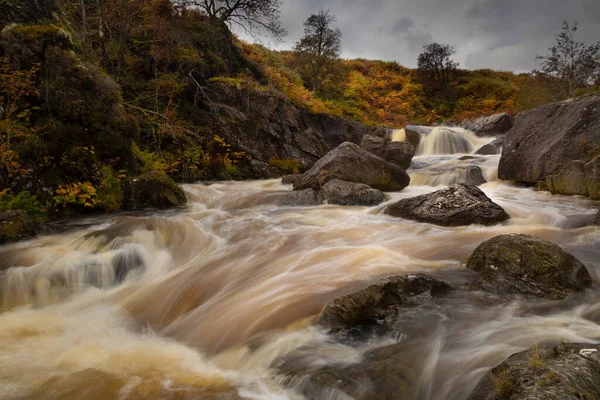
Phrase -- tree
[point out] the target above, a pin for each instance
(319, 48)
(250, 15)
(571, 61)
(435, 63)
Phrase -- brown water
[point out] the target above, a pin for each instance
(199, 303)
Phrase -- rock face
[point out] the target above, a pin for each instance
(271, 126)
(351, 194)
(592, 178)
(565, 371)
(14, 226)
(544, 140)
(490, 126)
(152, 189)
(352, 163)
(300, 198)
(399, 153)
(569, 180)
(457, 205)
(290, 179)
(522, 264)
(387, 305)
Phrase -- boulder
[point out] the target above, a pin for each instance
(300, 198)
(489, 126)
(488, 150)
(523, 264)
(14, 226)
(290, 179)
(351, 194)
(592, 178)
(414, 133)
(152, 189)
(352, 163)
(544, 140)
(399, 153)
(391, 305)
(551, 372)
(474, 176)
(596, 220)
(457, 205)
(570, 180)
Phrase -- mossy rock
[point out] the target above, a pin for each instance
(152, 190)
(25, 46)
(14, 226)
(25, 11)
(523, 264)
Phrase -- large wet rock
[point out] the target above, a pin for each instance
(474, 176)
(152, 189)
(351, 194)
(350, 162)
(570, 180)
(300, 198)
(523, 264)
(14, 226)
(399, 153)
(544, 140)
(577, 178)
(391, 305)
(290, 179)
(489, 126)
(414, 133)
(565, 371)
(457, 205)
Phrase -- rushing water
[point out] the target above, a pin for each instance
(202, 302)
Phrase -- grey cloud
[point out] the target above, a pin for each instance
(497, 34)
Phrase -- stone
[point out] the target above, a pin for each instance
(592, 178)
(570, 180)
(290, 179)
(474, 176)
(547, 372)
(351, 194)
(596, 220)
(414, 133)
(152, 190)
(15, 226)
(544, 140)
(350, 162)
(489, 126)
(488, 150)
(300, 198)
(384, 304)
(458, 205)
(526, 265)
(399, 153)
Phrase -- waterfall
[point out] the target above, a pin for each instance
(443, 140)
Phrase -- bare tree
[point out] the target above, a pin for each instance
(319, 47)
(250, 15)
(572, 61)
(436, 63)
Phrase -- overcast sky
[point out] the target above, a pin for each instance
(497, 34)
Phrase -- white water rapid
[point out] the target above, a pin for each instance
(201, 303)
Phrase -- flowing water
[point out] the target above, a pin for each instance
(204, 302)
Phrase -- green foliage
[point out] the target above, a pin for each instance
(289, 166)
(25, 201)
(110, 194)
(76, 194)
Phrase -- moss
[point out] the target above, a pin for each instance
(110, 193)
(152, 189)
(14, 226)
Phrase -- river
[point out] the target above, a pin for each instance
(202, 302)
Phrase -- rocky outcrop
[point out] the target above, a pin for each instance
(545, 140)
(14, 226)
(489, 126)
(457, 205)
(25, 11)
(564, 371)
(391, 305)
(152, 189)
(270, 126)
(301, 198)
(351, 194)
(592, 178)
(349, 162)
(399, 153)
(522, 264)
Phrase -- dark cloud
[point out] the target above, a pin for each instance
(498, 34)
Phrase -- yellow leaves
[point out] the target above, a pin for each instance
(77, 193)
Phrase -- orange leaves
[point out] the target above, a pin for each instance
(81, 194)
